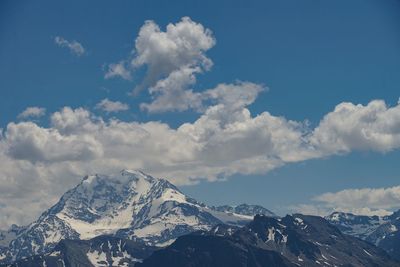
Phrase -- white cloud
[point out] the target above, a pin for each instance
(172, 93)
(118, 70)
(182, 45)
(356, 127)
(73, 121)
(234, 96)
(373, 198)
(75, 47)
(360, 201)
(32, 112)
(111, 106)
(172, 59)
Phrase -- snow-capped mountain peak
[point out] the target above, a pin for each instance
(104, 204)
(129, 204)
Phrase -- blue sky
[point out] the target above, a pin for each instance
(311, 54)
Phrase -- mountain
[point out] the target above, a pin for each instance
(98, 251)
(381, 231)
(296, 240)
(360, 226)
(130, 205)
(119, 220)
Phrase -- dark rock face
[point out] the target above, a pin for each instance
(387, 237)
(210, 251)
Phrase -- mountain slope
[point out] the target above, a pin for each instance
(296, 240)
(99, 251)
(130, 205)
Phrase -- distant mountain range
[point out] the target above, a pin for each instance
(134, 219)
(381, 231)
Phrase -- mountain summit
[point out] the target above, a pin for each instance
(130, 205)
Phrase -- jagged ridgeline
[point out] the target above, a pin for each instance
(296, 240)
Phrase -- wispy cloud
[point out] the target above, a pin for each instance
(75, 47)
(118, 70)
(111, 106)
(32, 112)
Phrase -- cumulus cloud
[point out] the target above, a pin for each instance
(74, 47)
(69, 121)
(357, 127)
(111, 106)
(32, 112)
(181, 45)
(27, 141)
(172, 93)
(172, 59)
(234, 96)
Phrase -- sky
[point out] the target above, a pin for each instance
(293, 105)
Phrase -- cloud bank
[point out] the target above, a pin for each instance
(362, 201)
(226, 139)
